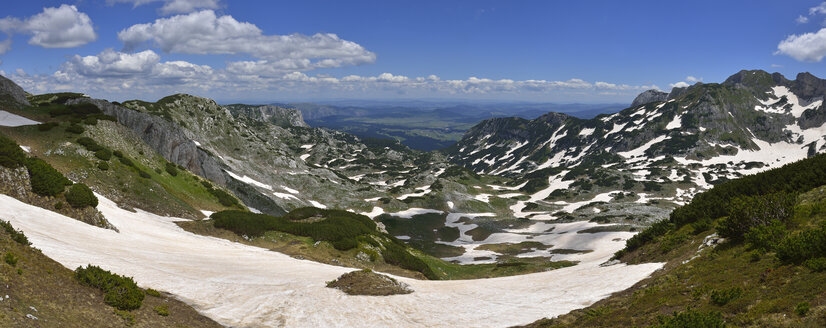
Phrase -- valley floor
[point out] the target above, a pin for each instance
(245, 286)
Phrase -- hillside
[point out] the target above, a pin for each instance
(39, 292)
(756, 259)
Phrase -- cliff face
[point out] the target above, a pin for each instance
(12, 94)
(176, 145)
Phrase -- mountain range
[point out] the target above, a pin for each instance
(514, 195)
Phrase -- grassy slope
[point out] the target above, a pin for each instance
(770, 290)
(60, 300)
(304, 247)
(182, 195)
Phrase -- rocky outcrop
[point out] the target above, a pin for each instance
(649, 97)
(15, 183)
(12, 92)
(172, 142)
(280, 116)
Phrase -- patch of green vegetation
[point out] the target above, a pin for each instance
(162, 310)
(17, 235)
(79, 196)
(338, 227)
(45, 180)
(10, 259)
(797, 177)
(120, 292)
(691, 318)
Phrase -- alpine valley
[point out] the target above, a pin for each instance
(701, 207)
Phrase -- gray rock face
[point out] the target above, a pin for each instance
(12, 91)
(649, 97)
(280, 116)
(172, 143)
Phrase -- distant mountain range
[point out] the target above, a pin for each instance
(426, 125)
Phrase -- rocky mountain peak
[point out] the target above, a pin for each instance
(13, 93)
(808, 86)
(649, 96)
(756, 79)
(280, 116)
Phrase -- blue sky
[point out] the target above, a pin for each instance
(257, 51)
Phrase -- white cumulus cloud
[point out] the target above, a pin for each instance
(809, 47)
(204, 32)
(174, 6)
(61, 27)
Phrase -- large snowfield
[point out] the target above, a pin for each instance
(243, 286)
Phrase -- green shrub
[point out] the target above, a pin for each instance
(803, 246)
(103, 154)
(748, 212)
(817, 264)
(162, 310)
(800, 176)
(224, 197)
(16, 235)
(46, 126)
(103, 166)
(766, 237)
(802, 308)
(89, 143)
(11, 155)
(58, 206)
(143, 174)
(171, 169)
(723, 297)
(79, 195)
(152, 292)
(90, 121)
(126, 316)
(74, 128)
(126, 161)
(691, 318)
(119, 292)
(45, 180)
(118, 154)
(10, 259)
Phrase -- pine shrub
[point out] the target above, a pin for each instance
(79, 195)
(45, 180)
(119, 292)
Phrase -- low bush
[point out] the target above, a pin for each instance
(749, 212)
(817, 264)
(10, 259)
(152, 292)
(16, 235)
(103, 154)
(691, 318)
(766, 237)
(79, 195)
(724, 296)
(802, 308)
(337, 227)
(162, 310)
(89, 143)
(46, 126)
(119, 292)
(103, 166)
(223, 197)
(74, 128)
(11, 155)
(143, 174)
(805, 245)
(171, 169)
(45, 180)
(118, 154)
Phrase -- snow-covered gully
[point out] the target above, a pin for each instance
(245, 286)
